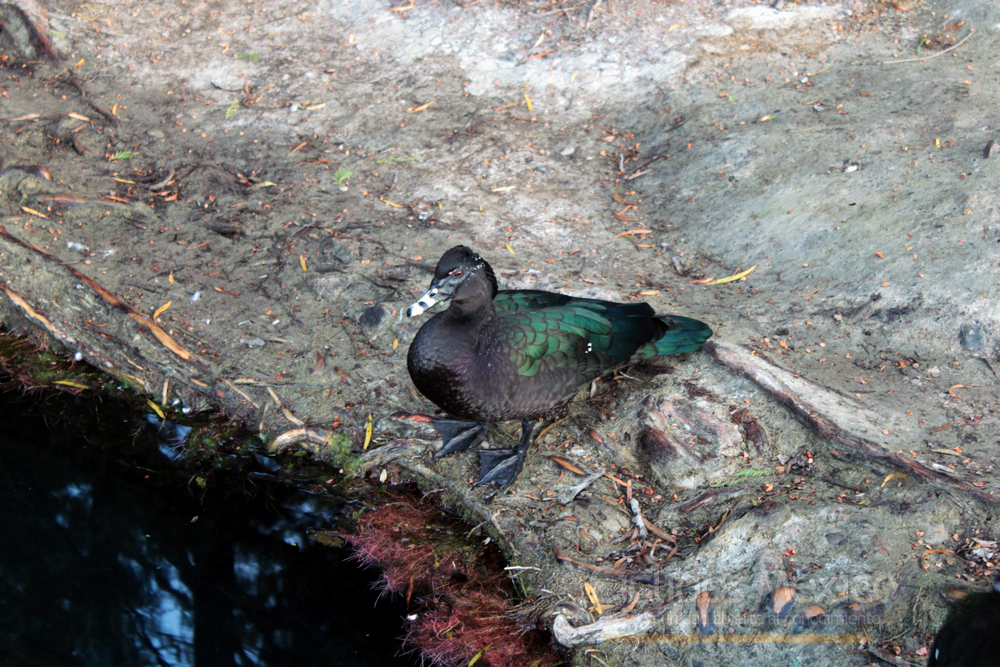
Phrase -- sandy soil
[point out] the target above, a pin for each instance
(272, 183)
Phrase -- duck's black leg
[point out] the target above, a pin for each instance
(458, 435)
(501, 466)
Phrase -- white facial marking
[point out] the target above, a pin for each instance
(422, 305)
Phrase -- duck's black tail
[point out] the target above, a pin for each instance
(684, 334)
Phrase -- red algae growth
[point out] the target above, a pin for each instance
(461, 601)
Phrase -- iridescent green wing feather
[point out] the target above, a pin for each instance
(588, 336)
(527, 300)
(573, 338)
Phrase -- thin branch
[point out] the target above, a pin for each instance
(940, 53)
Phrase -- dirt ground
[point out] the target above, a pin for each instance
(229, 203)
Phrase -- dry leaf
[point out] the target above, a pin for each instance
(592, 596)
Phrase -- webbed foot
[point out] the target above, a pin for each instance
(501, 466)
(458, 435)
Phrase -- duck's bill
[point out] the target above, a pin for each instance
(424, 303)
(441, 289)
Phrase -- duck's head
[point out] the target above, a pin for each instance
(458, 267)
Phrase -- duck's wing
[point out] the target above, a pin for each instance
(590, 337)
(577, 342)
(520, 301)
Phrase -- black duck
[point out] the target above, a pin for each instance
(521, 354)
(970, 635)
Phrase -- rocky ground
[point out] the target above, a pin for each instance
(229, 203)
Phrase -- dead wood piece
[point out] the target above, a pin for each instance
(637, 518)
(830, 412)
(704, 425)
(378, 457)
(754, 432)
(29, 41)
(38, 317)
(301, 437)
(683, 445)
(609, 628)
(567, 496)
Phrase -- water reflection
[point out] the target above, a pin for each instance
(109, 560)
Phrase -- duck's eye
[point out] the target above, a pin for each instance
(457, 273)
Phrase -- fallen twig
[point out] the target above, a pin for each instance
(650, 578)
(939, 53)
(162, 336)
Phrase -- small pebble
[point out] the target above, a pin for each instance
(849, 166)
(971, 336)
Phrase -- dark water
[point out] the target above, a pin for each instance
(105, 561)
